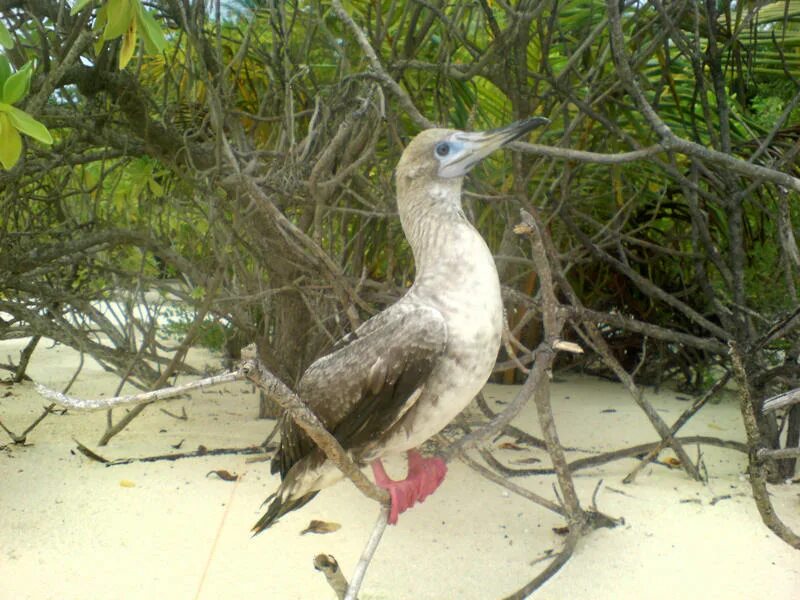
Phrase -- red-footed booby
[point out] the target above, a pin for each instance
(403, 375)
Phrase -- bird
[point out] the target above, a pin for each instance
(409, 370)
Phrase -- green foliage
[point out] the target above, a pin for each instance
(6, 41)
(125, 19)
(13, 121)
(212, 333)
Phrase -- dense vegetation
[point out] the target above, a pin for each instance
(240, 158)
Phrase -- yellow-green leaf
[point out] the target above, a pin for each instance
(128, 45)
(155, 188)
(154, 40)
(5, 70)
(100, 22)
(6, 41)
(16, 86)
(10, 143)
(119, 14)
(26, 124)
(100, 19)
(78, 6)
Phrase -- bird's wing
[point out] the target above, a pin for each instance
(362, 389)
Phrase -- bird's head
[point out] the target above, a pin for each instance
(450, 154)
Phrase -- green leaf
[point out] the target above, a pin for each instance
(26, 124)
(5, 70)
(119, 14)
(128, 45)
(154, 40)
(78, 6)
(16, 86)
(100, 19)
(155, 188)
(6, 41)
(10, 143)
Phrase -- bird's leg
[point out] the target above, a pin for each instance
(424, 476)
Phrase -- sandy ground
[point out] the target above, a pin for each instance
(71, 528)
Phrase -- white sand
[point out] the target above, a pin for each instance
(69, 529)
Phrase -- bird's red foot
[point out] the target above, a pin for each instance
(424, 476)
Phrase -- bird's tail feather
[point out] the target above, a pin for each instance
(279, 507)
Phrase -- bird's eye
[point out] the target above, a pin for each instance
(443, 149)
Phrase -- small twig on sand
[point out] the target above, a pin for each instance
(181, 417)
(367, 554)
(200, 452)
(91, 454)
(22, 437)
(513, 487)
(559, 561)
(330, 568)
(680, 422)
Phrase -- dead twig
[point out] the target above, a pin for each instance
(135, 399)
(368, 553)
(181, 417)
(200, 452)
(680, 422)
(512, 487)
(756, 468)
(554, 567)
(637, 451)
(329, 567)
(22, 437)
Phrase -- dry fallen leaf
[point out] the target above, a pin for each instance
(126, 483)
(510, 446)
(316, 526)
(224, 475)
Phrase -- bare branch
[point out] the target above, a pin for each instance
(368, 553)
(134, 399)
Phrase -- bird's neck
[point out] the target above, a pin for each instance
(435, 225)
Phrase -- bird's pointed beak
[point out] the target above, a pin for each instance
(471, 148)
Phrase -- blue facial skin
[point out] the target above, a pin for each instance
(450, 148)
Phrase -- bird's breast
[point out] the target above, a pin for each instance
(465, 288)
(463, 284)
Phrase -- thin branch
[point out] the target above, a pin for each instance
(763, 453)
(553, 325)
(680, 422)
(512, 487)
(379, 71)
(598, 158)
(368, 553)
(554, 567)
(630, 452)
(134, 399)
(756, 469)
